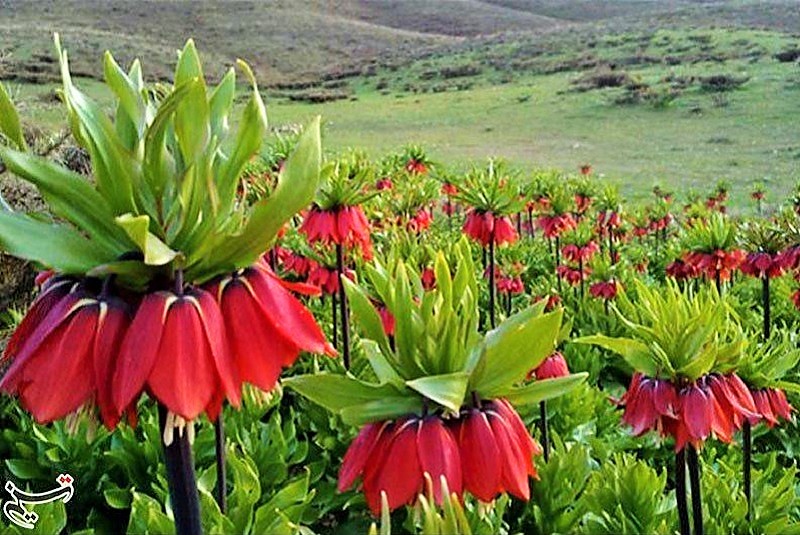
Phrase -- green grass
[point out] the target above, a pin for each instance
(740, 136)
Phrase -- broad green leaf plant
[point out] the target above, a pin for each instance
(166, 167)
(437, 358)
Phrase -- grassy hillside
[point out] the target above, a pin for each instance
(679, 93)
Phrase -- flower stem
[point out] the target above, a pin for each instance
(181, 480)
(343, 307)
(680, 492)
(335, 322)
(583, 283)
(765, 301)
(558, 262)
(222, 472)
(491, 281)
(543, 424)
(747, 448)
(694, 481)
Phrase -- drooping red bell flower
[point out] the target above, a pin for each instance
(582, 203)
(585, 169)
(509, 285)
(485, 227)
(690, 413)
(580, 253)
(680, 270)
(428, 277)
(393, 457)
(176, 349)
(325, 278)
(552, 367)
(345, 225)
(387, 320)
(554, 226)
(717, 264)
(496, 451)
(571, 275)
(771, 404)
(384, 184)
(449, 189)
(266, 326)
(606, 290)
(762, 264)
(421, 221)
(297, 264)
(416, 167)
(63, 354)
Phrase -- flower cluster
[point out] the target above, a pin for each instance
(485, 451)
(690, 413)
(190, 347)
(344, 225)
(486, 228)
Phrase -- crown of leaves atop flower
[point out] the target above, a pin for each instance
(610, 200)
(438, 360)
(581, 235)
(410, 195)
(675, 334)
(491, 189)
(717, 233)
(768, 364)
(763, 236)
(346, 181)
(166, 174)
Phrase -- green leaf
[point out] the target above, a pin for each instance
(117, 498)
(9, 121)
(269, 518)
(113, 165)
(517, 346)
(365, 314)
(221, 102)
(147, 517)
(24, 468)
(156, 252)
(543, 389)
(381, 365)
(447, 390)
(297, 184)
(70, 196)
(192, 115)
(337, 392)
(55, 246)
(387, 408)
(635, 353)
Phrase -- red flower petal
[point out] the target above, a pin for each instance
(439, 456)
(480, 456)
(355, 459)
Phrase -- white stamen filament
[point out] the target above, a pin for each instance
(173, 422)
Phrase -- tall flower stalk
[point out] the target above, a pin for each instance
(685, 349)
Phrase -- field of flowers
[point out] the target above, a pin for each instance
(239, 336)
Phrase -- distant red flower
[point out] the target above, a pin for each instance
(384, 184)
(604, 289)
(62, 355)
(691, 413)
(496, 451)
(387, 320)
(421, 221)
(554, 226)
(428, 277)
(607, 221)
(509, 285)
(571, 275)
(416, 167)
(552, 367)
(680, 270)
(762, 265)
(582, 203)
(346, 225)
(485, 227)
(790, 258)
(580, 253)
(393, 457)
(757, 195)
(297, 264)
(176, 350)
(449, 189)
(327, 279)
(266, 326)
(585, 169)
(719, 263)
